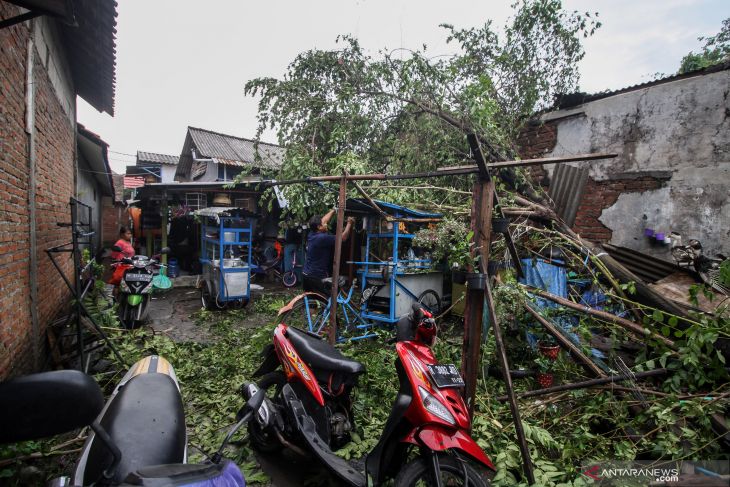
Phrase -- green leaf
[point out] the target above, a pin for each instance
(658, 316)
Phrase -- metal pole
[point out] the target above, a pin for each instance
(77, 280)
(164, 227)
(341, 202)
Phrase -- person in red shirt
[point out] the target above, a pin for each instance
(126, 250)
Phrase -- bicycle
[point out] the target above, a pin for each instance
(311, 311)
(289, 278)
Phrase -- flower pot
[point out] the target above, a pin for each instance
(492, 268)
(500, 225)
(476, 280)
(549, 350)
(458, 277)
(544, 379)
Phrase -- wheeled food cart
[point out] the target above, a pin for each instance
(225, 254)
(392, 275)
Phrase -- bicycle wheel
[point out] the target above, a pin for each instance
(308, 313)
(431, 301)
(289, 279)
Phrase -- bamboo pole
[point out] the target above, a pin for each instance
(586, 383)
(624, 323)
(565, 343)
(442, 172)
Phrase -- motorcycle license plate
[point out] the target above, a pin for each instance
(446, 375)
(138, 277)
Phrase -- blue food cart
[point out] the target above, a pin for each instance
(225, 254)
(393, 274)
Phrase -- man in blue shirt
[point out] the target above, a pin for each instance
(320, 251)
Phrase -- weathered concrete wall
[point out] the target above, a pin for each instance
(167, 173)
(673, 168)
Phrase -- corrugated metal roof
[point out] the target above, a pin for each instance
(93, 45)
(157, 158)
(235, 151)
(648, 268)
(575, 99)
(566, 190)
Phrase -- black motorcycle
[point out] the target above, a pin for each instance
(137, 438)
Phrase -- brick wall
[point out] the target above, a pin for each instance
(539, 140)
(55, 141)
(112, 218)
(14, 227)
(55, 151)
(536, 141)
(600, 195)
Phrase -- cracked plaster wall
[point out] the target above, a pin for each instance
(678, 135)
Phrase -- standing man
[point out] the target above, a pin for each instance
(320, 251)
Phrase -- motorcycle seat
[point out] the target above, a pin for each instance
(320, 354)
(146, 422)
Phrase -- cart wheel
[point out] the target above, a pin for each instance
(289, 279)
(238, 304)
(431, 301)
(206, 297)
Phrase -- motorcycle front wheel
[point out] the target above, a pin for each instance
(420, 473)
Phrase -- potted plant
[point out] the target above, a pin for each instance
(548, 347)
(544, 375)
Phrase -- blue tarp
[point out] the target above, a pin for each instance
(552, 278)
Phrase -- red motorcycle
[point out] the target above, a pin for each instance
(309, 408)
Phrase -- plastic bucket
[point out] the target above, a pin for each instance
(172, 268)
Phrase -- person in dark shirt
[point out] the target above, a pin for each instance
(320, 251)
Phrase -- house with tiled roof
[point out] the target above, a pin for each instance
(151, 167)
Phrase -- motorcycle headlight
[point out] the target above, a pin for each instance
(435, 406)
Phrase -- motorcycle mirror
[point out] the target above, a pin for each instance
(116, 248)
(46, 404)
(165, 250)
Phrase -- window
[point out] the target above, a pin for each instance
(196, 201)
(228, 173)
(243, 203)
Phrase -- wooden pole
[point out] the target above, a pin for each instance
(623, 322)
(484, 201)
(341, 202)
(474, 306)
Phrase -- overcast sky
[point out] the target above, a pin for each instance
(184, 62)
